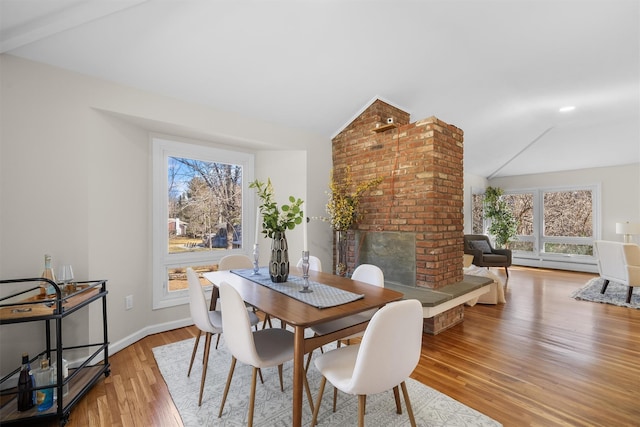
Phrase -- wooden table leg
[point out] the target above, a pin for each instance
(298, 375)
(215, 293)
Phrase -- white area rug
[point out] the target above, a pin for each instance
(273, 407)
(615, 294)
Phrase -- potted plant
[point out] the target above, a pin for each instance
(344, 212)
(503, 224)
(275, 221)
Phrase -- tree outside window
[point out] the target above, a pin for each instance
(202, 211)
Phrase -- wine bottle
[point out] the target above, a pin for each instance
(46, 288)
(44, 377)
(25, 385)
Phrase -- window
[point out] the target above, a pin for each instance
(522, 207)
(202, 210)
(477, 213)
(554, 225)
(568, 222)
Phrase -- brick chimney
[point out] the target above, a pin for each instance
(422, 191)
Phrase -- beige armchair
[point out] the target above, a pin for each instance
(484, 255)
(619, 262)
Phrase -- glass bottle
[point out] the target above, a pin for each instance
(65, 374)
(25, 385)
(44, 377)
(46, 288)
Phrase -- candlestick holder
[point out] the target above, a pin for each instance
(256, 256)
(305, 272)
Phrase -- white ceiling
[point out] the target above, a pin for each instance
(497, 69)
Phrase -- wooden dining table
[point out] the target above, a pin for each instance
(300, 315)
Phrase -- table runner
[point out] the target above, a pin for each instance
(323, 296)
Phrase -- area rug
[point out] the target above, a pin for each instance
(615, 294)
(273, 407)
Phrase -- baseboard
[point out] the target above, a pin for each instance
(144, 332)
(584, 267)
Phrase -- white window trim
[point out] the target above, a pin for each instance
(538, 258)
(162, 148)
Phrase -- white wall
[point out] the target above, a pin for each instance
(75, 172)
(620, 201)
(620, 189)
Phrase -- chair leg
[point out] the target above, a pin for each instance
(306, 367)
(252, 398)
(506, 270)
(207, 345)
(193, 354)
(407, 402)
(323, 381)
(362, 403)
(396, 396)
(335, 397)
(604, 286)
(226, 387)
(218, 341)
(629, 292)
(280, 376)
(308, 390)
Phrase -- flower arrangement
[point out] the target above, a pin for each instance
(275, 219)
(344, 201)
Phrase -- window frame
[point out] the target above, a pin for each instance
(540, 258)
(163, 147)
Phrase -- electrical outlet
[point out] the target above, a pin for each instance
(128, 302)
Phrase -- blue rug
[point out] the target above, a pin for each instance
(616, 293)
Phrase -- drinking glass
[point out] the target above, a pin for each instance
(65, 276)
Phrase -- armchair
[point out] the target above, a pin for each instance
(484, 255)
(619, 262)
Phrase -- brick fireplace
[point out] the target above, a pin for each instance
(420, 200)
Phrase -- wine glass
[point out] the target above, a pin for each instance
(65, 276)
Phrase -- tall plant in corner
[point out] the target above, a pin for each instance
(503, 225)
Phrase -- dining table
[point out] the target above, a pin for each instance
(283, 302)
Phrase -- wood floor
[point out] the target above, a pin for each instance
(541, 359)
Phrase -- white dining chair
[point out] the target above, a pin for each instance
(209, 322)
(260, 349)
(367, 273)
(314, 263)
(240, 262)
(384, 359)
(235, 261)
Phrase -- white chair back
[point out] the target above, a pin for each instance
(314, 263)
(198, 304)
(235, 261)
(369, 273)
(390, 348)
(238, 334)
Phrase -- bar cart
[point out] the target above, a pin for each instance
(25, 304)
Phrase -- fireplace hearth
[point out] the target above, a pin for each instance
(394, 252)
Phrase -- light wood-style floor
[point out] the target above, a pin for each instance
(542, 359)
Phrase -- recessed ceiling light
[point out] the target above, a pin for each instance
(567, 108)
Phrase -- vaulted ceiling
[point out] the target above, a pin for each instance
(498, 69)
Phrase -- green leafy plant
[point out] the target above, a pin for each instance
(503, 224)
(274, 218)
(344, 200)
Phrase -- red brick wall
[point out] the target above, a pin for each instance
(422, 191)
